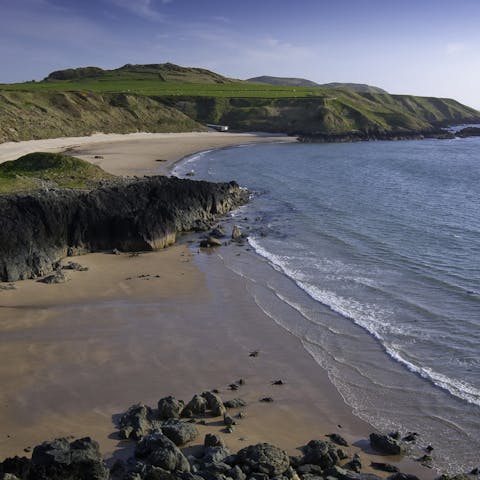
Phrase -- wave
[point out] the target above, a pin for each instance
(373, 319)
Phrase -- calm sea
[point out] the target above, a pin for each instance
(370, 254)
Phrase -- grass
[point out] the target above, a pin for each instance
(150, 87)
(36, 170)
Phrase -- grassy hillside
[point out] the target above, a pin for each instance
(356, 87)
(168, 98)
(288, 81)
(39, 170)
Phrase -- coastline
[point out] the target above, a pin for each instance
(189, 287)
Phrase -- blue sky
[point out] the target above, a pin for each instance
(422, 47)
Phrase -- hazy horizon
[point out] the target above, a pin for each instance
(422, 48)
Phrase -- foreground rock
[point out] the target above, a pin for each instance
(387, 444)
(128, 215)
(264, 458)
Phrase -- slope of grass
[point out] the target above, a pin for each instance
(40, 169)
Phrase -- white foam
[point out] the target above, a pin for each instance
(374, 320)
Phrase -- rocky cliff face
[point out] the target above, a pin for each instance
(38, 229)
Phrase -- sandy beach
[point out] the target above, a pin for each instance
(137, 328)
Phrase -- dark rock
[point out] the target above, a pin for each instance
(309, 468)
(75, 266)
(54, 278)
(323, 454)
(137, 421)
(475, 471)
(354, 464)
(342, 474)
(384, 467)
(468, 132)
(264, 458)
(17, 466)
(197, 405)
(233, 386)
(236, 473)
(179, 432)
(387, 444)
(341, 454)
(395, 435)
(215, 404)
(258, 476)
(278, 382)
(255, 353)
(213, 440)
(338, 439)
(169, 407)
(161, 452)
(266, 399)
(235, 403)
(218, 232)
(410, 437)
(402, 476)
(210, 242)
(139, 214)
(228, 420)
(215, 454)
(156, 473)
(236, 232)
(61, 460)
(429, 449)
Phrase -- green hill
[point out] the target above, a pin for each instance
(40, 169)
(288, 81)
(169, 98)
(356, 87)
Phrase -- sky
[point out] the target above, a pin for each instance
(420, 47)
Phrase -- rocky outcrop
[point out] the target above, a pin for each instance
(468, 132)
(38, 229)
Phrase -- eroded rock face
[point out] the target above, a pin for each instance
(38, 229)
(170, 407)
(264, 458)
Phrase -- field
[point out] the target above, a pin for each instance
(158, 88)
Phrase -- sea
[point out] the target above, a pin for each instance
(369, 253)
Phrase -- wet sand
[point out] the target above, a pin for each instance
(137, 328)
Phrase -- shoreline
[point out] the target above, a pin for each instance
(169, 291)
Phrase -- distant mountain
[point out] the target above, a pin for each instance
(302, 82)
(356, 87)
(290, 82)
(166, 72)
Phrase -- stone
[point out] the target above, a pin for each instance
(264, 458)
(266, 399)
(16, 467)
(59, 460)
(136, 422)
(215, 454)
(354, 464)
(385, 467)
(197, 405)
(215, 404)
(403, 476)
(323, 454)
(161, 452)
(236, 473)
(218, 232)
(74, 266)
(338, 439)
(236, 233)
(169, 407)
(54, 278)
(179, 432)
(228, 420)
(235, 403)
(387, 444)
(213, 440)
(342, 474)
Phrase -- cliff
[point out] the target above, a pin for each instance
(38, 229)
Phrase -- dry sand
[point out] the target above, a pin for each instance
(137, 153)
(137, 328)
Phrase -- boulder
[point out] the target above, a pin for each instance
(160, 451)
(54, 278)
(236, 233)
(179, 432)
(215, 454)
(323, 454)
(218, 232)
(210, 242)
(196, 406)
(264, 458)
(405, 476)
(215, 404)
(235, 403)
(354, 464)
(15, 466)
(61, 460)
(137, 421)
(169, 407)
(213, 440)
(387, 444)
(342, 474)
(385, 467)
(338, 439)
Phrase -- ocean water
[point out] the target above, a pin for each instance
(370, 254)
